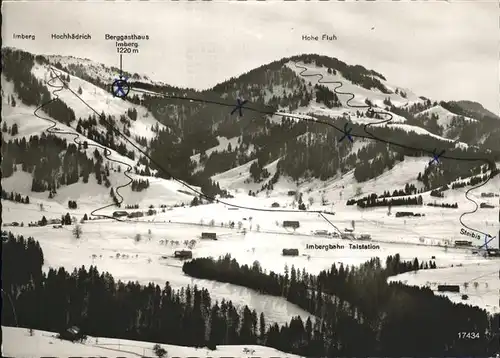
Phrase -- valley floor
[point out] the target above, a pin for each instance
(110, 245)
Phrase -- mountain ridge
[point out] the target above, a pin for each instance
(294, 95)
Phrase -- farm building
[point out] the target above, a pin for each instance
(462, 243)
(118, 214)
(275, 205)
(209, 235)
(487, 195)
(71, 334)
(290, 252)
(292, 224)
(400, 214)
(364, 237)
(348, 236)
(448, 288)
(348, 230)
(183, 254)
(136, 214)
(493, 252)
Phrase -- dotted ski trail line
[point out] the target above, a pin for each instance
(310, 119)
(194, 190)
(339, 84)
(53, 130)
(368, 136)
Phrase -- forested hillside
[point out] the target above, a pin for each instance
(303, 149)
(359, 313)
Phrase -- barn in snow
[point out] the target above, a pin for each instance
(292, 224)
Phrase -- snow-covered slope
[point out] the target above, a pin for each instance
(18, 343)
(91, 195)
(99, 100)
(360, 93)
(95, 70)
(445, 116)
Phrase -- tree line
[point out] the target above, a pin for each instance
(40, 156)
(444, 205)
(13, 196)
(357, 312)
(12, 130)
(139, 185)
(372, 201)
(358, 309)
(88, 128)
(17, 66)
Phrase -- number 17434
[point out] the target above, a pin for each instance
(468, 335)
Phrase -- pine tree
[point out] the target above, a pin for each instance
(15, 130)
(262, 331)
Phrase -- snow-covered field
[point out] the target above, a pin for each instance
(480, 282)
(264, 240)
(17, 343)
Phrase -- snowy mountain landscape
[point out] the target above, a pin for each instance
(307, 207)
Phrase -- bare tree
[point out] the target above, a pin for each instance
(466, 285)
(258, 228)
(150, 234)
(476, 284)
(311, 200)
(212, 222)
(240, 224)
(137, 237)
(77, 231)
(359, 191)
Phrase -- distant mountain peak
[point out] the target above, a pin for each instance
(472, 106)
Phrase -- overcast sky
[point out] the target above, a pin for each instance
(446, 51)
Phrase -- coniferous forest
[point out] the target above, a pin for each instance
(302, 149)
(356, 312)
